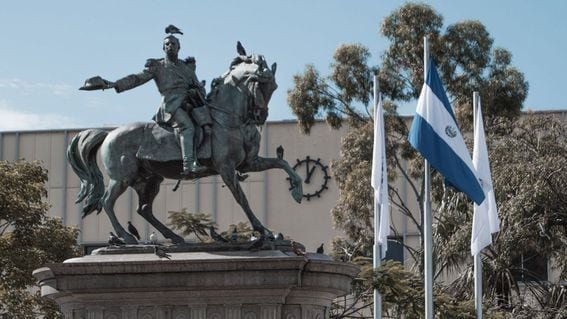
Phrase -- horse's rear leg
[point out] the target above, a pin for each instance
(147, 190)
(113, 191)
(230, 179)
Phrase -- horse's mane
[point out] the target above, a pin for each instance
(233, 64)
(240, 59)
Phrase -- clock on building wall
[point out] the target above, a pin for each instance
(314, 174)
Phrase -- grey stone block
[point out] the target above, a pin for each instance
(197, 285)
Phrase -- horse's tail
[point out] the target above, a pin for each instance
(81, 154)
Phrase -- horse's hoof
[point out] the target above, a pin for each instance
(178, 241)
(297, 195)
(130, 240)
(266, 234)
(144, 209)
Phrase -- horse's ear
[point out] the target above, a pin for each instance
(274, 68)
(240, 48)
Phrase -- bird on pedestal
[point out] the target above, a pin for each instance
(153, 238)
(132, 230)
(115, 240)
(160, 252)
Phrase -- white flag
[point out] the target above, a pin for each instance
(380, 179)
(485, 219)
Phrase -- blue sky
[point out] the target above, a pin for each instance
(49, 48)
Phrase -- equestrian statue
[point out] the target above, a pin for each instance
(193, 136)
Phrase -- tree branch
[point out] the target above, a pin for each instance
(347, 311)
(4, 227)
(348, 110)
(403, 208)
(407, 178)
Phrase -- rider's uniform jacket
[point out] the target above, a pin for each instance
(175, 80)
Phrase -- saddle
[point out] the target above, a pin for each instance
(162, 145)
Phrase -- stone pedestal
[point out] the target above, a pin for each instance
(197, 285)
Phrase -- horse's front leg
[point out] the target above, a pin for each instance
(230, 179)
(259, 164)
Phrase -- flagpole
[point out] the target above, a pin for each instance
(377, 257)
(427, 219)
(478, 285)
(477, 260)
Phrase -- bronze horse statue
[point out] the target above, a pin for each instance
(238, 103)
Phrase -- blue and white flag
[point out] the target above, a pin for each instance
(380, 179)
(485, 218)
(435, 134)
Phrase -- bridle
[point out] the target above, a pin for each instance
(250, 85)
(256, 114)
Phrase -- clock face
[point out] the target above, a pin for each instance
(314, 174)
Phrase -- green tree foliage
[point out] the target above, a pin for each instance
(528, 158)
(466, 58)
(241, 232)
(464, 52)
(28, 240)
(199, 224)
(401, 73)
(402, 295)
(529, 194)
(314, 97)
(191, 223)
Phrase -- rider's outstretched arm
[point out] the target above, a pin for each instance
(133, 80)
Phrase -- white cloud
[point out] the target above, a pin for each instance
(58, 89)
(13, 120)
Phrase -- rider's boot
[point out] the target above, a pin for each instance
(190, 164)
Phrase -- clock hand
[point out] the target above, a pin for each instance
(309, 173)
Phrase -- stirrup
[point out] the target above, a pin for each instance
(192, 167)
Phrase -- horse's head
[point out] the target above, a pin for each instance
(252, 77)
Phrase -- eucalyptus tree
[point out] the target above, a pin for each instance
(467, 61)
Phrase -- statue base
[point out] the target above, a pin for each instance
(266, 284)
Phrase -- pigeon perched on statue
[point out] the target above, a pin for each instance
(171, 29)
(216, 236)
(298, 249)
(153, 238)
(279, 152)
(240, 48)
(132, 230)
(320, 250)
(234, 235)
(115, 240)
(257, 244)
(160, 252)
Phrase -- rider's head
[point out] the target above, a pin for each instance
(171, 45)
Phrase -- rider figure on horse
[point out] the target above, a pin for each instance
(180, 92)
